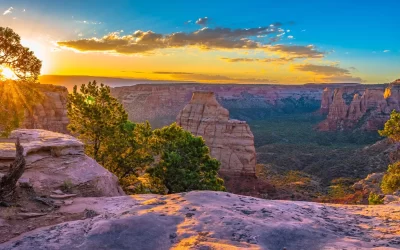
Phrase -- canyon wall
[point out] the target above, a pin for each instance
(230, 141)
(359, 107)
(160, 103)
(51, 112)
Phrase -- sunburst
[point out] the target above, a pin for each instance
(7, 74)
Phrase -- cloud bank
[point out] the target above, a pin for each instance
(329, 73)
(204, 38)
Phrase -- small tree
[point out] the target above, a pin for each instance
(95, 116)
(19, 93)
(130, 151)
(18, 58)
(375, 199)
(392, 127)
(391, 180)
(185, 163)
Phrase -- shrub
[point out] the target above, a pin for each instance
(391, 180)
(375, 199)
(185, 163)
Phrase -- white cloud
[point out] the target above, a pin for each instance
(386, 51)
(8, 11)
(87, 22)
(290, 37)
(23, 10)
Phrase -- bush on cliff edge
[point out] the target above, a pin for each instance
(166, 160)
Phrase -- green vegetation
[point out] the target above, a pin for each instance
(392, 127)
(95, 116)
(290, 142)
(165, 160)
(185, 162)
(375, 199)
(19, 70)
(391, 180)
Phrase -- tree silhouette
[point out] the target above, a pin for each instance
(25, 65)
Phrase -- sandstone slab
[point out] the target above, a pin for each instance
(57, 161)
(217, 220)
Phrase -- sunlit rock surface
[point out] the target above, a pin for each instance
(358, 107)
(55, 160)
(215, 220)
(230, 141)
(51, 112)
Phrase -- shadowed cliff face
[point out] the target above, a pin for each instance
(230, 141)
(361, 107)
(160, 104)
(50, 113)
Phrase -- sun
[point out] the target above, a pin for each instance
(7, 73)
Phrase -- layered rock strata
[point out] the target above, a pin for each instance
(57, 161)
(51, 112)
(365, 108)
(160, 104)
(230, 141)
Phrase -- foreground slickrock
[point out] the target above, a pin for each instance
(230, 141)
(215, 220)
(57, 161)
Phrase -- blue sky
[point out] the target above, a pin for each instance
(357, 34)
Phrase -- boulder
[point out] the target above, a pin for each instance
(391, 199)
(57, 161)
(230, 141)
(372, 183)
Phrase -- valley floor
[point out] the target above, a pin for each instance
(213, 220)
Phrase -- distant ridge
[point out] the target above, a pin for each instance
(69, 81)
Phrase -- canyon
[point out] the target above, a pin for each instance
(346, 107)
(230, 141)
(161, 103)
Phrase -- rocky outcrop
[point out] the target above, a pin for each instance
(213, 220)
(359, 107)
(230, 141)
(372, 183)
(326, 100)
(51, 112)
(57, 161)
(161, 103)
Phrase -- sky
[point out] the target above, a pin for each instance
(282, 42)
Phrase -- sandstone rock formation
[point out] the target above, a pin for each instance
(230, 141)
(359, 107)
(51, 112)
(55, 160)
(160, 103)
(214, 220)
